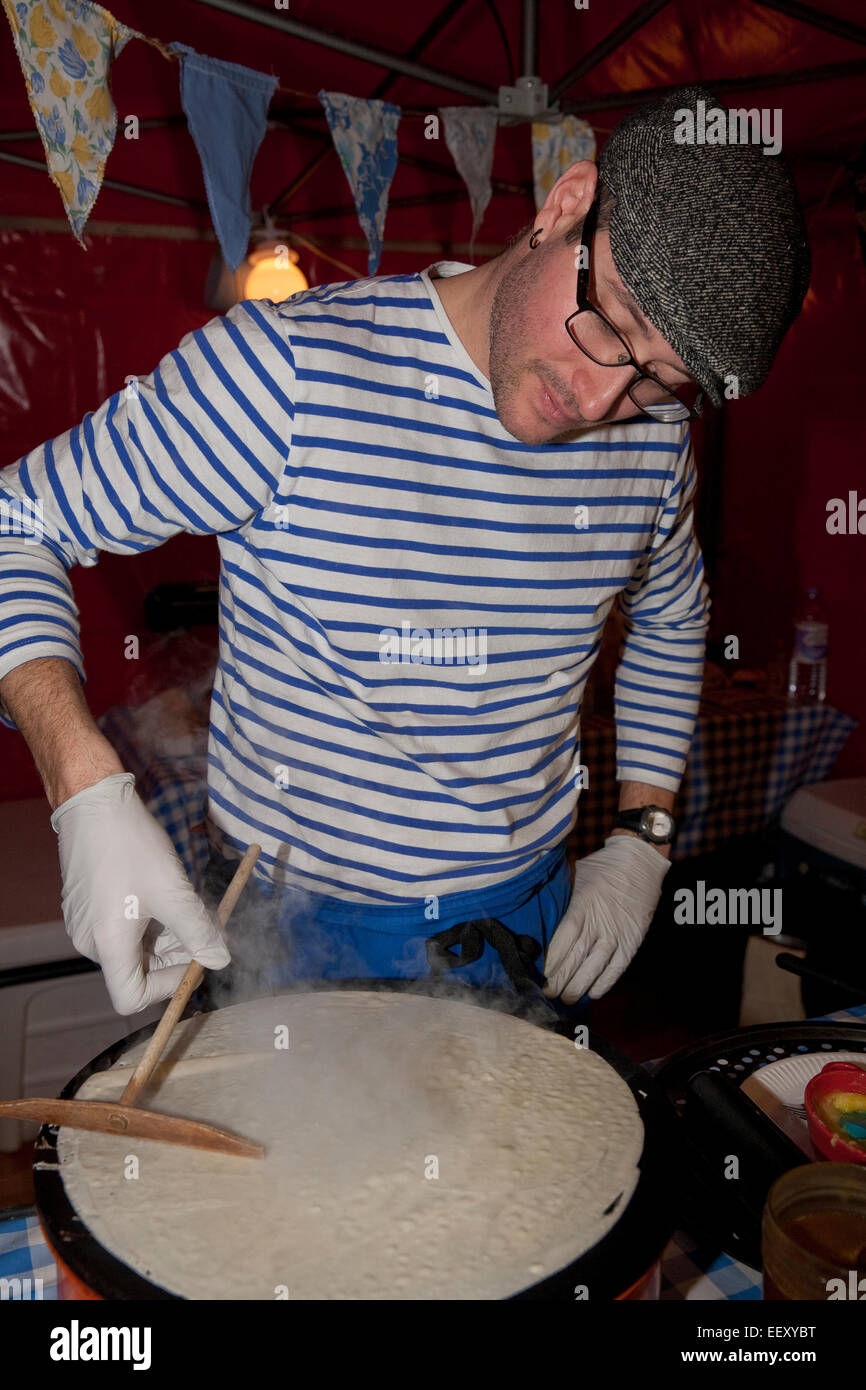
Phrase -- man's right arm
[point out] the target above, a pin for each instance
(46, 701)
(200, 446)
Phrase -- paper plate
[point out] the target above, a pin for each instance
(779, 1089)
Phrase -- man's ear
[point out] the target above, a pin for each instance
(569, 199)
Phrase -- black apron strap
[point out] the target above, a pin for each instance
(517, 951)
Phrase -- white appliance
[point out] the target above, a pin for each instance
(52, 1021)
(831, 816)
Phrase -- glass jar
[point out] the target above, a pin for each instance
(814, 1234)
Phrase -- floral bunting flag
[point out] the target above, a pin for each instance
(470, 134)
(66, 48)
(556, 145)
(364, 132)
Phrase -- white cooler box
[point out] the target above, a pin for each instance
(831, 818)
(55, 1013)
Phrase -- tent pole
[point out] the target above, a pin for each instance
(842, 28)
(827, 72)
(416, 200)
(95, 227)
(42, 168)
(160, 231)
(149, 123)
(596, 55)
(529, 39)
(429, 166)
(367, 54)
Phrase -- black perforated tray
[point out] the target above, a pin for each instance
(704, 1202)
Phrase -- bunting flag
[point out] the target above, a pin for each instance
(555, 147)
(470, 134)
(226, 108)
(66, 51)
(365, 137)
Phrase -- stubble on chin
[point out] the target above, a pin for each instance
(510, 372)
(508, 320)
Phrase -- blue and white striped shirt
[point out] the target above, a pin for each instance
(410, 599)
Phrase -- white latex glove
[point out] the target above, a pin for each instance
(112, 850)
(615, 893)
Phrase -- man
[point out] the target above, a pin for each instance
(429, 490)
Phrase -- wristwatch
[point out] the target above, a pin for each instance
(652, 823)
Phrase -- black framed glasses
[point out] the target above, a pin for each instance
(599, 340)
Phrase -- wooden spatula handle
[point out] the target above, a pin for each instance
(108, 1117)
(190, 982)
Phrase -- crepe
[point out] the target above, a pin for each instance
(416, 1148)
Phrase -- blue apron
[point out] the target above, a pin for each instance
(326, 938)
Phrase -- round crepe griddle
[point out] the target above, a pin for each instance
(536, 1145)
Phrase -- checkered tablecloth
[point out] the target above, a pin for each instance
(25, 1257)
(688, 1272)
(749, 753)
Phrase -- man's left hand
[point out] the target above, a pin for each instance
(615, 894)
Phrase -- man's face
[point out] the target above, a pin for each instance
(544, 387)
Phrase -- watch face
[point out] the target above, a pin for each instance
(658, 823)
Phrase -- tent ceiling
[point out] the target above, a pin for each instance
(809, 60)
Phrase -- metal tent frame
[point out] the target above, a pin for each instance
(529, 98)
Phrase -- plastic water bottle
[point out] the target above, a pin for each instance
(807, 677)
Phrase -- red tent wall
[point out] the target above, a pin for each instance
(67, 342)
(789, 449)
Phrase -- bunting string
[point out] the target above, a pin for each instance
(66, 49)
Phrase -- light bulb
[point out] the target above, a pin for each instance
(272, 273)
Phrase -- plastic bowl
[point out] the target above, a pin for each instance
(836, 1076)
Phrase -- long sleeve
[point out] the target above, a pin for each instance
(199, 445)
(666, 614)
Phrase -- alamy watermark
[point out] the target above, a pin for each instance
(739, 126)
(736, 907)
(77, 1343)
(846, 521)
(16, 1288)
(434, 646)
(22, 516)
(854, 1289)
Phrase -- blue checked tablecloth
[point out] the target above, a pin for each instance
(688, 1272)
(750, 752)
(25, 1257)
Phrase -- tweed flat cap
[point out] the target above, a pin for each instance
(708, 237)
